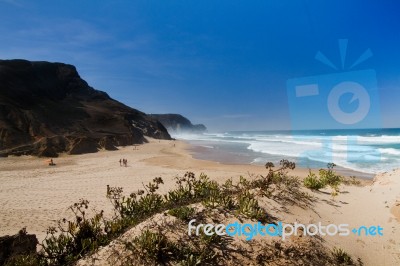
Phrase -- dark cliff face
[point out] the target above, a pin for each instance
(46, 108)
(179, 123)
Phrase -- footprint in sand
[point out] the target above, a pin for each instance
(360, 241)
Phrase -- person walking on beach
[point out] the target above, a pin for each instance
(120, 164)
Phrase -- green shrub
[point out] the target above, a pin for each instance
(212, 200)
(71, 240)
(352, 180)
(140, 204)
(183, 213)
(153, 246)
(226, 201)
(313, 182)
(248, 206)
(341, 257)
(156, 248)
(327, 177)
(23, 260)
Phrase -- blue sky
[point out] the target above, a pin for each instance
(221, 63)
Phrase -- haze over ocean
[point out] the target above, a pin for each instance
(368, 151)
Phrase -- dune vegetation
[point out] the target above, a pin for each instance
(164, 239)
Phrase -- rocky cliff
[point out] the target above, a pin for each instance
(46, 108)
(179, 123)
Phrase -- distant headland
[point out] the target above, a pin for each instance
(178, 123)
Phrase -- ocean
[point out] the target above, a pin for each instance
(368, 151)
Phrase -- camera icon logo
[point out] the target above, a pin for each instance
(344, 100)
(358, 92)
(347, 99)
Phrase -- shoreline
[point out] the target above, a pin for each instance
(36, 195)
(200, 153)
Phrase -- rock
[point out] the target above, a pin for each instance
(19, 244)
(84, 145)
(46, 108)
(47, 152)
(108, 144)
(178, 123)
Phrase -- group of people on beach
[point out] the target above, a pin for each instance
(123, 162)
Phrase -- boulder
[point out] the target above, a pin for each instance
(19, 244)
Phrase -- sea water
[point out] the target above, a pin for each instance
(369, 151)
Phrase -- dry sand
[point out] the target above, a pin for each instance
(369, 205)
(35, 195)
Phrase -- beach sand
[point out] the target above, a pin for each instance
(35, 195)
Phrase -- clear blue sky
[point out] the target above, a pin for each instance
(221, 63)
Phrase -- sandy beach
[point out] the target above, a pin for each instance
(35, 195)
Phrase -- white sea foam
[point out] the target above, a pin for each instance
(207, 146)
(368, 153)
(390, 151)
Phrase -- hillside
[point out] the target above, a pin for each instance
(179, 123)
(46, 108)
